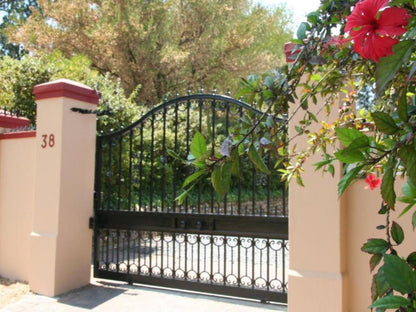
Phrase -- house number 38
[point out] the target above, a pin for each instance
(48, 140)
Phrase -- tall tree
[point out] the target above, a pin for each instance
(162, 45)
(13, 13)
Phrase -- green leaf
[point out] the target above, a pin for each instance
(353, 152)
(235, 161)
(194, 177)
(407, 154)
(221, 178)
(414, 220)
(409, 190)
(375, 246)
(390, 302)
(387, 187)
(347, 135)
(411, 259)
(397, 233)
(180, 199)
(384, 122)
(256, 160)
(402, 107)
(313, 17)
(198, 145)
(375, 260)
(379, 286)
(399, 274)
(301, 32)
(323, 163)
(388, 66)
(347, 179)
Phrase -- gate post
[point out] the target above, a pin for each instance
(61, 240)
(317, 225)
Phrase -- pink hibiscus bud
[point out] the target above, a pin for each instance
(372, 181)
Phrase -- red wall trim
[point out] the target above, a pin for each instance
(66, 88)
(13, 121)
(17, 135)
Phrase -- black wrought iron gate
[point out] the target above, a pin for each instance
(236, 245)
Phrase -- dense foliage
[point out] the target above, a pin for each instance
(18, 77)
(364, 54)
(164, 46)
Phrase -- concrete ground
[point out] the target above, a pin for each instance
(112, 296)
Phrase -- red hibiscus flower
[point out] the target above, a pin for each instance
(372, 181)
(374, 28)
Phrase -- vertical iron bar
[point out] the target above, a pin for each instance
(152, 138)
(225, 260)
(130, 168)
(253, 260)
(188, 117)
(253, 192)
(118, 251)
(239, 261)
(240, 110)
(162, 186)
(128, 250)
(198, 273)
(213, 104)
(211, 269)
(109, 175)
(186, 256)
(227, 115)
(284, 265)
(268, 263)
(269, 181)
(107, 262)
(141, 149)
(174, 255)
(120, 174)
(162, 238)
(139, 252)
(175, 174)
(150, 253)
(200, 103)
(284, 200)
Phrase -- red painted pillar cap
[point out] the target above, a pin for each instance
(66, 88)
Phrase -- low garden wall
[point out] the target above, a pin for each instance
(17, 190)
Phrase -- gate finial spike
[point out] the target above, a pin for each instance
(214, 90)
(201, 90)
(228, 93)
(189, 91)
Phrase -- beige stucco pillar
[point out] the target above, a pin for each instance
(61, 240)
(316, 224)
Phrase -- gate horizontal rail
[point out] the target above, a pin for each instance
(267, 227)
(248, 292)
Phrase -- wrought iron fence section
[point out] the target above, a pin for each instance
(233, 261)
(142, 167)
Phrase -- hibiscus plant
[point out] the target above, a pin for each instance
(366, 51)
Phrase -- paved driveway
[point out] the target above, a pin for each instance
(110, 296)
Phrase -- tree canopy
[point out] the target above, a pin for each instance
(12, 14)
(18, 77)
(165, 45)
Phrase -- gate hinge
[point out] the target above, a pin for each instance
(91, 223)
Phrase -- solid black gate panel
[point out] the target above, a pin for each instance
(236, 245)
